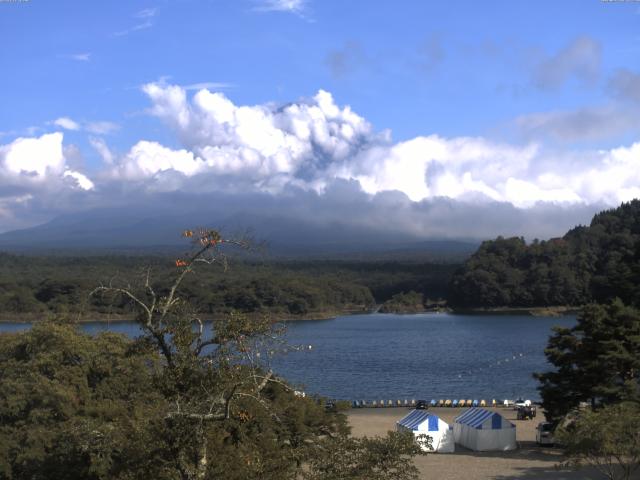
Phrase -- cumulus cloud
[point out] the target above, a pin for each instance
(580, 59)
(66, 123)
(265, 145)
(310, 143)
(315, 163)
(34, 161)
(35, 171)
(33, 158)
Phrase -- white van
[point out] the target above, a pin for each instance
(544, 434)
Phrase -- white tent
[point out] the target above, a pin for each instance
(483, 430)
(421, 422)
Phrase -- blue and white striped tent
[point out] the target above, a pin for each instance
(483, 430)
(421, 422)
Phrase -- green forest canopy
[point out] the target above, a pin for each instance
(594, 263)
(33, 286)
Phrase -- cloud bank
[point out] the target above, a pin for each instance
(315, 162)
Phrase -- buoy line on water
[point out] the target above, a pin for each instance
(494, 364)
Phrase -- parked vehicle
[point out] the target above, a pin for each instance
(526, 412)
(544, 434)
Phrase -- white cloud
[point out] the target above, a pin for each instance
(135, 28)
(66, 123)
(101, 128)
(146, 13)
(294, 6)
(33, 158)
(32, 162)
(103, 150)
(81, 180)
(207, 86)
(314, 158)
(38, 181)
(146, 159)
(97, 128)
(145, 17)
(261, 143)
(311, 143)
(81, 57)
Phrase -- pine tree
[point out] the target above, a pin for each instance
(597, 360)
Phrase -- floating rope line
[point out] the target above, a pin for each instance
(494, 364)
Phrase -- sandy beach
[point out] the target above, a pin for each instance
(529, 461)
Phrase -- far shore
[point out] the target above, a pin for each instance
(117, 318)
(555, 311)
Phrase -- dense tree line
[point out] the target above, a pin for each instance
(33, 286)
(592, 393)
(596, 361)
(591, 263)
(178, 402)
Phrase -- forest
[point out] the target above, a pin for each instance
(33, 286)
(594, 263)
(175, 402)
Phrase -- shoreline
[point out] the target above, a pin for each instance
(556, 311)
(120, 318)
(552, 311)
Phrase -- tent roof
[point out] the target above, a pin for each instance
(415, 418)
(476, 417)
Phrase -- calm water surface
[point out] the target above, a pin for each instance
(383, 356)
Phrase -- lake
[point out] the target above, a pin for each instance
(385, 356)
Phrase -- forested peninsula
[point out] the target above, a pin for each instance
(594, 263)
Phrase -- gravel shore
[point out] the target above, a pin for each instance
(529, 461)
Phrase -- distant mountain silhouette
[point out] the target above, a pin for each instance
(121, 229)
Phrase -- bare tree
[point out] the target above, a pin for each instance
(208, 366)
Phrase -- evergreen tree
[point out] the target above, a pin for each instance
(597, 360)
(589, 264)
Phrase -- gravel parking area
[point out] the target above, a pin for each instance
(529, 461)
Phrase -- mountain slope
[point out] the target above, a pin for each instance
(147, 229)
(590, 263)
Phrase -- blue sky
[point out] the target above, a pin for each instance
(559, 77)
